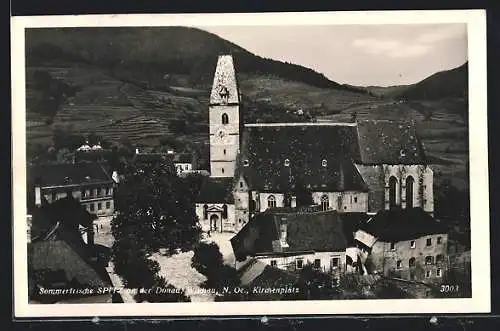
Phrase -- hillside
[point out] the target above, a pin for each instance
(442, 85)
(150, 86)
(145, 83)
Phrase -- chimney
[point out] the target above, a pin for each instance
(283, 235)
(29, 219)
(115, 177)
(38, 196)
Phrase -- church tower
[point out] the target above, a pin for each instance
(224, 119)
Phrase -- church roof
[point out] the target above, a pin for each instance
(388, 142)
(306, 231)
(323, 155)
(402, 224)
(278, 157)
(225, 86)
(216, 190)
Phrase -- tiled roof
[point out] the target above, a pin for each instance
(282, 155)
(316, 231)
(322, 155)
(68, 173)
(59, 255)
(402, 224)
(225, 82)
(60, 220)
(216, 190)
(389, 142)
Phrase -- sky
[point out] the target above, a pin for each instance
(362, 55)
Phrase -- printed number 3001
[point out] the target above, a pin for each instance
(449, 288)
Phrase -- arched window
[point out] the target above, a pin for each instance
(224, 211)
(325, 202)
(246, 163)
(411, 262)
(324, 163)
(271, 201)
(224, 152)
(205, 212)
(287, 162)
(225, 119)
(393, 183)
(409, 191)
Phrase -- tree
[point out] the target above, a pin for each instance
(156, 207)
(316, 285)
(207, 258)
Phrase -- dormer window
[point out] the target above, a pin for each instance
(246, 163)
(287, 162)
(324, 163)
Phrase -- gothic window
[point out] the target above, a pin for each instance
(271, 201)
(224, 211)
(205, 212)
(225, 119)
(411, 262)
(393, 183)
(409, 191)
(325, 203)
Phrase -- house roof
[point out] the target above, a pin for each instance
(58, 255)
(389, 142)
(183, 158)
(216, 190)
(402, 224)
(279, 156)
(68, 173)
(225, 82)
(306, 231)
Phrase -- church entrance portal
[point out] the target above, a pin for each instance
(215, 224)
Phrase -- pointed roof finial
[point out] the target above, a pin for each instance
(224, 88)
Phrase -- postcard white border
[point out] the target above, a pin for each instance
(480, 301)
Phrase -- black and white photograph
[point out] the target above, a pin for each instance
(206, 163)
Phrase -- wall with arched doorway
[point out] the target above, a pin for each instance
(205, 211)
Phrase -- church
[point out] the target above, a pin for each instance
(360, 167)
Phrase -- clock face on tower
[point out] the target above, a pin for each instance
(221, 136)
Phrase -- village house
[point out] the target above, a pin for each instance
(62, 254)
(361, 167)
(290, 238)
(87, 182)
(404, 243)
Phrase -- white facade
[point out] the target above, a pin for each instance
(331, 262)
(212, 216)
(399, 179)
